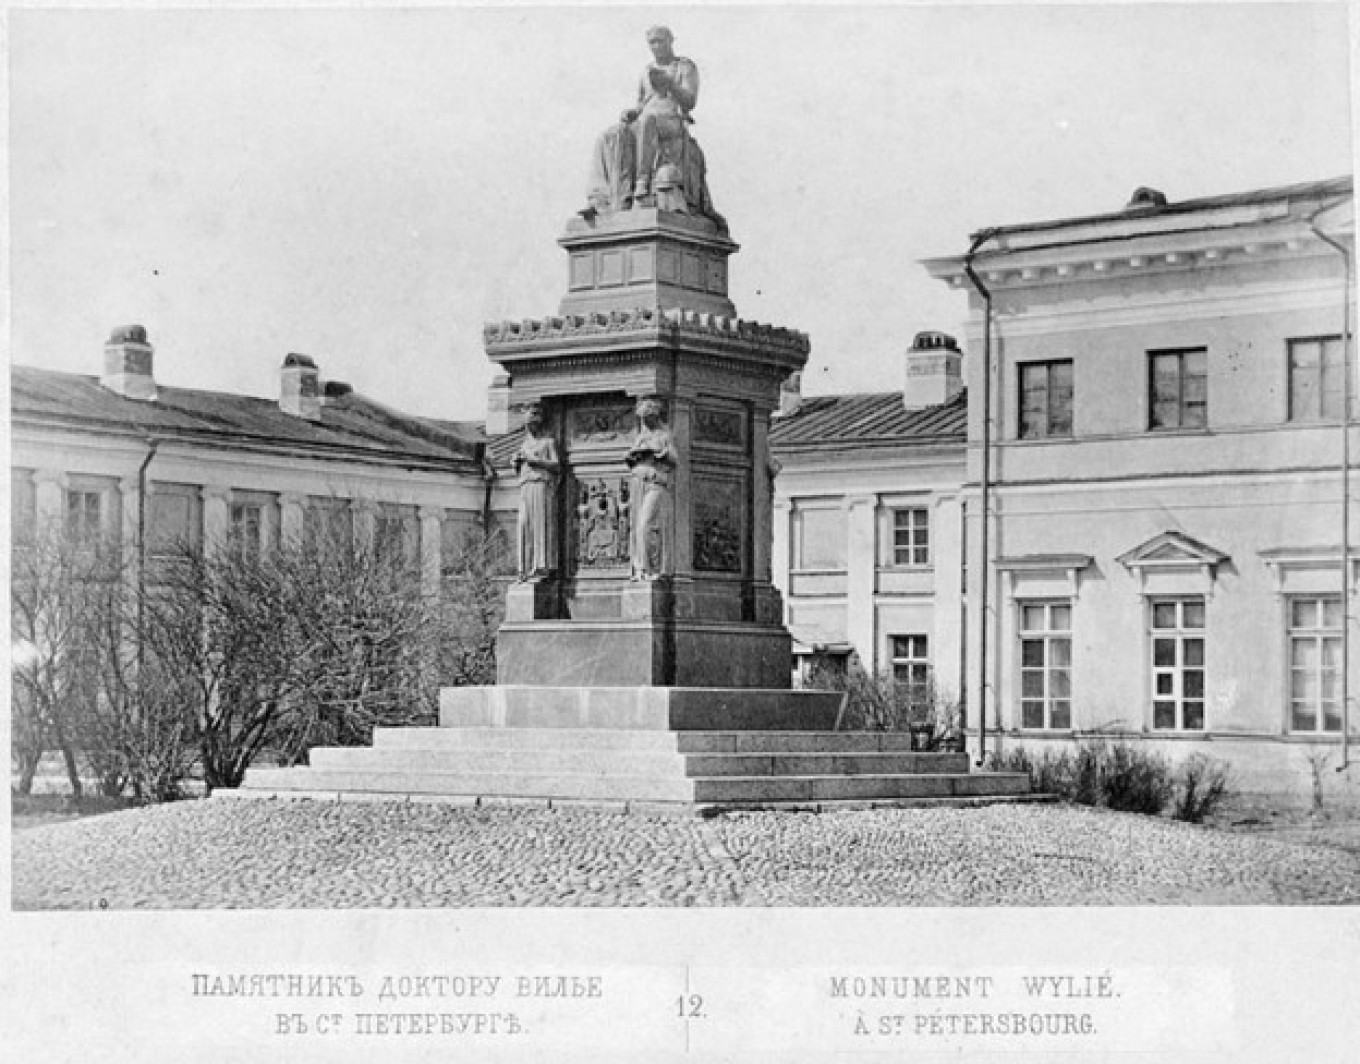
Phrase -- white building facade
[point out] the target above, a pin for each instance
(1163, 477)
(121, 459)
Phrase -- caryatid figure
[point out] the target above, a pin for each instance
(652, 460)
(537, 464)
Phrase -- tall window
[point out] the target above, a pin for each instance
(247, 527)
(911, 666)
(84, 516)
(329, 522)
(1178, 389)
(23, 504)
(1046, 665)
(1314, 663)
(172, 519)
(1045, 399)
(1178, 664)
(820, 542)
(395, 533)
(1316, 378)
(911, 536)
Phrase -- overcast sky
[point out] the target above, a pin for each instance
(370, 186)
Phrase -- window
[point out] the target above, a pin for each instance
(1314, 664)
(911, 666)
(1178, 389)
(1046, 665)
(1045, 399)
(395, 533)
(172, 519)
(820, 539)
(911, 537)
(329, 522)
(1316, 378)
(84, 516)
(247, 527)
(23, 504)
(1178, 664)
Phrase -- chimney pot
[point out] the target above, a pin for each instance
(128, 362)
(300, 388)
(934, 367)
(790, 395)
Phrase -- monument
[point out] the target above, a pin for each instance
(643, 659)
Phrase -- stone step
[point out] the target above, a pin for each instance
(587, 760)
(857, 788)
(709, 790)
(612, 788)
(639, 708)
(727, 742)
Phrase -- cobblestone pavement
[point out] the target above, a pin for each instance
(253, 853)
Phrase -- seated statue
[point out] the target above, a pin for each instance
(649, 159)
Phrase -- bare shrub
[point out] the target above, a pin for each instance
(1202, 785)
(1097, 772)
(882, 703)
(1134, 780)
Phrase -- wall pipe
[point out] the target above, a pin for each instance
(978, 240)
(152, 444)
(1345, 493)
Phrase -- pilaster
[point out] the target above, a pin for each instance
(216, 514)
(431, 548)
(861, 560)
(291, 517)
(49, 497)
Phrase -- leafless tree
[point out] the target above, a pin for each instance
(62, 591)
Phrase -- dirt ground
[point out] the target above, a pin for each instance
(1336, 826)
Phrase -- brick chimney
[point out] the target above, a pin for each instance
(127, 364)
(790, 395)
(934, 371)
(300, 388)
(498, 417)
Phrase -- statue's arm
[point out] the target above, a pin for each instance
(685, 84)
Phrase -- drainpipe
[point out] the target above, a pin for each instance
(152, 443)
(986, 576)
(1345, 494)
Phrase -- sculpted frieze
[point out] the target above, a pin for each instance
(600, 424)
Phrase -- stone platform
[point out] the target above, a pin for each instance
(647, 748)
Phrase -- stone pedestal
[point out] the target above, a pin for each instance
(646, 258)
(647, 317)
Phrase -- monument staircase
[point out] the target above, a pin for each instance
(641, 750)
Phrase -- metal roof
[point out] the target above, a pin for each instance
(352, 424)
(1336, 187)
(869, 418)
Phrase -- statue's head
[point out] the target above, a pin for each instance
(659, 40)
(649, 411)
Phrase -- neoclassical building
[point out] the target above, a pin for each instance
(1117, 506)
(127, 460)
(1122, 511)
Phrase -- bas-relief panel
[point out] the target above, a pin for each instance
(719, 515)
(600, 424)
(722, 427)
(603, 529)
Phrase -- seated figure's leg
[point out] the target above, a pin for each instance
(645, 129)
(659, 140)
(612, 169)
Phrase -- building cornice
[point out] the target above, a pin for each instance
(1134, 249)
(38, 431)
